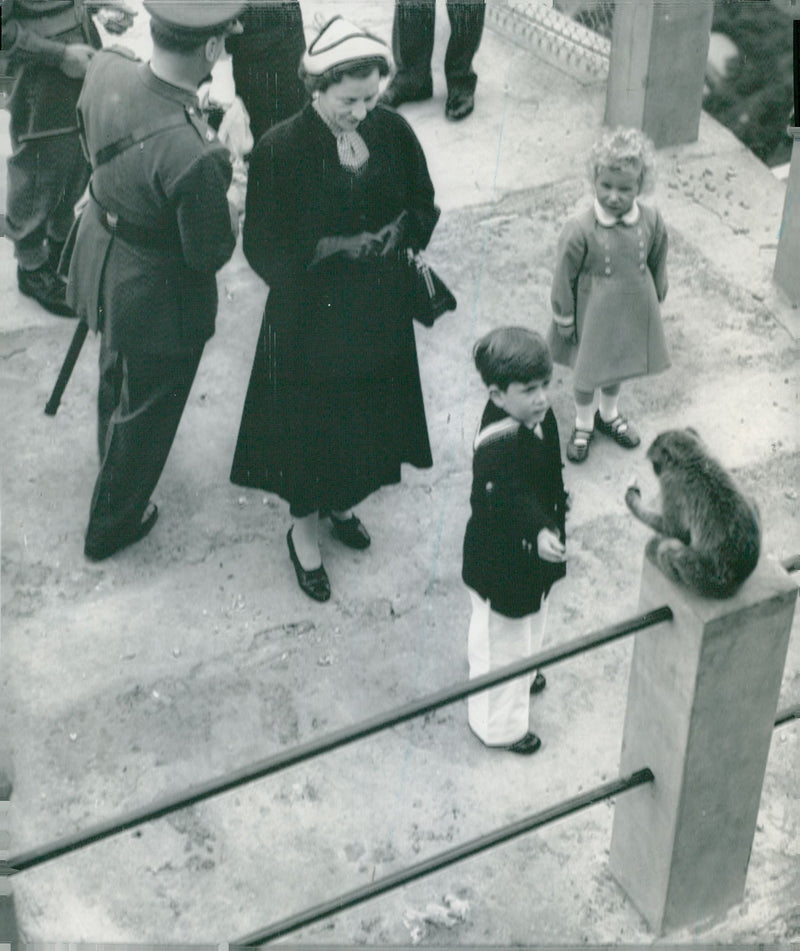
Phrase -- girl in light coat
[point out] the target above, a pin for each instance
(609, 280)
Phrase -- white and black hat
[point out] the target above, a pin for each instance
(340, 42)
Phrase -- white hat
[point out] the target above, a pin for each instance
(341, 42)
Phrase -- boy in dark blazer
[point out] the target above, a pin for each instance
(514, 543)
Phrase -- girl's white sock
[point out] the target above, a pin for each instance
(608, 406)
(584, 416)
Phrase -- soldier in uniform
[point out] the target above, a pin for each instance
(157, 227)
(47, 45)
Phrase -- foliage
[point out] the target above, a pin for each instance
(756, 99)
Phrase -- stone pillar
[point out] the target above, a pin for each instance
(787, 273)
(659, 50)
(702, 699)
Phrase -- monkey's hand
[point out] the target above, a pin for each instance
(651, 548)
(633, 496)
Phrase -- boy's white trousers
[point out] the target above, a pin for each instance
(499, 715)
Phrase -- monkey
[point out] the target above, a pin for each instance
(709, 532)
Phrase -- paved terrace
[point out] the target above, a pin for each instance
(194, 653)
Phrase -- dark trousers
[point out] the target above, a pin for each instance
(265, 60)
(413, 35)
(46, 177)
(140, 401)
(47, 171)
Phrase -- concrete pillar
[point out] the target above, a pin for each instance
(702, 699)
(659, 50)
(787, 273)
(9, 930)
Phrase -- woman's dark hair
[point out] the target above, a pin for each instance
(512, 355)
(358, 68)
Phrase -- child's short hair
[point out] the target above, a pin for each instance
(512, 355)
(624, 149)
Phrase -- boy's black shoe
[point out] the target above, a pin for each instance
(539, 682)
(529, 743)
(46, 287)
(95, 551)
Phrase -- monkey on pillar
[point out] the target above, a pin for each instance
(709, 532)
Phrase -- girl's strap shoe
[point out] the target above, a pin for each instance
(620, 429)
(578, 445)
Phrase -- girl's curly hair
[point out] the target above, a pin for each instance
(626, 149)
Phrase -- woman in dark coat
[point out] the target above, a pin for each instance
(336, 195)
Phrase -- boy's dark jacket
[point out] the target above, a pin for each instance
(517, 490)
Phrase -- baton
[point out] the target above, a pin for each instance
(51, 407)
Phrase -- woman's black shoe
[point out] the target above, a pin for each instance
(350, 532)
(315, 583)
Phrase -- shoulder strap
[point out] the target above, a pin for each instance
(141, 134)
(124, 51)
(495, 432)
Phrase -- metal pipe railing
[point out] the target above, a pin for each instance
(443, 859)
(792, 563)
(788, 714)
(334, 740)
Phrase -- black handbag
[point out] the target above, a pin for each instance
(429, 297)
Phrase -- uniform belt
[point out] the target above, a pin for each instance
(132, 233)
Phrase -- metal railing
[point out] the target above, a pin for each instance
(444, 859)
(346, 735)
(466, 850)
(331, 741)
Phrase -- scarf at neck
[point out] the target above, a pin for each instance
(352, 149)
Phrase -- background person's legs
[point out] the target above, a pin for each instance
(466, 29)
(412, 46)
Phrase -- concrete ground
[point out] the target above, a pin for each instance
(194, 653)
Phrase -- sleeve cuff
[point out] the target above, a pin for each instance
(29, 46)
(564, 320)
